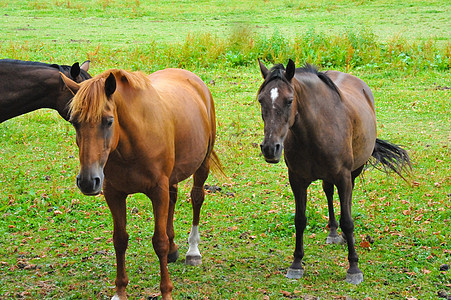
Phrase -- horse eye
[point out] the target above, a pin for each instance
(109, 122)
(289, 101)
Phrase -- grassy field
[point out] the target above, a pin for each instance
(56, 243)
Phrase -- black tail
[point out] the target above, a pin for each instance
(392, 158)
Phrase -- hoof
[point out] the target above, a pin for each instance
(193, 260)
(354, 278)
(338, 239)
(172, 257)
(294, 273)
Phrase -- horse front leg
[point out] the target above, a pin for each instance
(345, 186)
(299, 188)
(160, 241)
(193, 256)
(117, 203)
(333, 237)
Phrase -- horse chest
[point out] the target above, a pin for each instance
(311, 160)
(132, 176)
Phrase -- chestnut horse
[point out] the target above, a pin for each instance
(26, 86)
(139, 134)
(326, 123)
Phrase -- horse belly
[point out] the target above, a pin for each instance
(188, 161)
(364, 139)
(192, 144)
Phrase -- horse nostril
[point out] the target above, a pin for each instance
(97, 182)
(278, 148)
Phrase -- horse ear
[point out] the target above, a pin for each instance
(290, 70)
(263, 69)
(110, 85)
(75, 70)
(70, 84)
(85, 66)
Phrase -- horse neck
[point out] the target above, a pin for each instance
(27, 88)
(315, 102)
(140, 114)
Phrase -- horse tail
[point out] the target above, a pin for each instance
(216, 165)
(392, 157)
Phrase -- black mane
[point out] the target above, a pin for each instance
(308, 68)
(277, 72)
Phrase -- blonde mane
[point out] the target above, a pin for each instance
(90, 100)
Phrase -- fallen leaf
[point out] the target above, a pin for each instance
(365, 244)
(419, 217)
(285, 293)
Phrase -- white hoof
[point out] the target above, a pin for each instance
(295, 273)
(354, 278)
(193, 260)
(338, 239)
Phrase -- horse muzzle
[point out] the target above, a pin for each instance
(90, 184)
(272, 152)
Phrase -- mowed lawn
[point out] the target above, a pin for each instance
(56, 243)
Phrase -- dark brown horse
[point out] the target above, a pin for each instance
(326, 123)
(26, 86)
(139, 134)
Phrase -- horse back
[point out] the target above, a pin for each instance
(352, 87)
(180, 82)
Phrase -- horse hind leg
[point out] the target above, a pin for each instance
(354, 175)
(173, 248)
(193, 256)
(333, 237)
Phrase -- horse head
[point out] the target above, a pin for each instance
(94, 117)
(278, 109)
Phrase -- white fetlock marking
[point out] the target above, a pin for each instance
(193, 241)
(115, 297)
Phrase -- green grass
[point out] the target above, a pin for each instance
(129, 21)
(56, 243)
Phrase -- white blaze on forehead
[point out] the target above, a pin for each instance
(274, 94)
